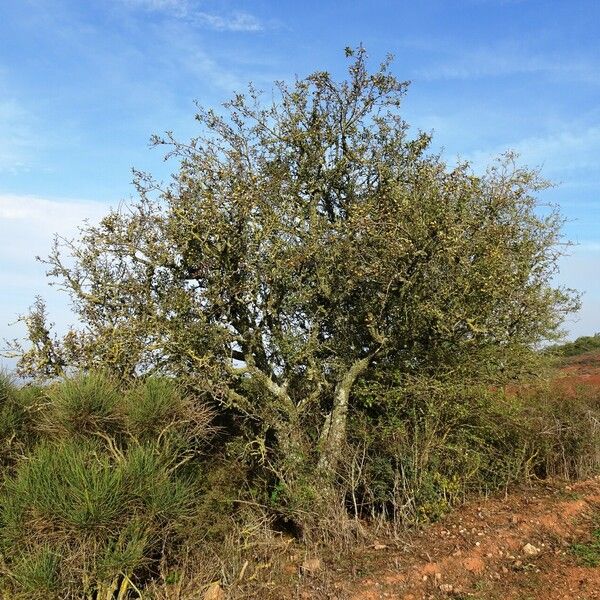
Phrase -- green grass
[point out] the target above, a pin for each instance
(38, 574)
(84, 404)
(588, 554)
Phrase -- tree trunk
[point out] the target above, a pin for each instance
(333, 435)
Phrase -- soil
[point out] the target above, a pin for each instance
(479, 551)
(581, 371)
(512, 546)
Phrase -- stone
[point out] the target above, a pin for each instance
(530, 550)
(214, 592)
(311, 566)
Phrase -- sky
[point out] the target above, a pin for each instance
(84, 84)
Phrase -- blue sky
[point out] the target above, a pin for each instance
(83, 85)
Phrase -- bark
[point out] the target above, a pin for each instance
(333, 435)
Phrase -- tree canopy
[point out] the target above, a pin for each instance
(305, 241)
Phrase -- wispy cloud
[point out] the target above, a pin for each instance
(238, 21)
(217, 69)
(28, 223)
(187, 10)
(561, 153)
(502, 59)
(17, 139)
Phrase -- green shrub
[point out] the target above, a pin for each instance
(17, 422)
(157, 410)
(107, 487)
(564, 429)
(84, 404)
(582, 345)
(419, 447)
(106, 516)
(69, 488)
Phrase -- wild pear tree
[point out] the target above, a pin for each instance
(301, 243)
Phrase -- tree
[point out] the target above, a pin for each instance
(300, 245)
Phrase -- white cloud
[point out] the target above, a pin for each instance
(27, 227)
(190, 56)
(561, 153)
(501, 59)
(186, 10)
(27, 220)
(16, 136)
(238, 21)
(178, 6)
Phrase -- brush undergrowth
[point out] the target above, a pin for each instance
(112, 492)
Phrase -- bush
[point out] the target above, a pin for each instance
(107, 488)
(100, 515)
(17, 409)
(582, 345)
(421, 447)
(84, 404)
(418, 448)
(564, 429)
(157, 409)
(105, 491)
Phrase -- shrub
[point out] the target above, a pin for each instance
(84, 404)
(582, 345)
(17, 427)
(564, 429)
(421, 446)
(157, 409)
(110, 488)
(106, 518)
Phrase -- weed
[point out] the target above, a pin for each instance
(588, 554)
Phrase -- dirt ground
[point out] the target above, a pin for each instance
(513, 547)
(517, 546)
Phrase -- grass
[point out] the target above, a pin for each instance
(38, 574)
(84, 405)
(103, 494)
(588, 554)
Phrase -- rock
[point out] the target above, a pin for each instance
(311, 566)
(530, 550)
(474, 564)
(214, 592)
(446, 588)
(379, 546)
